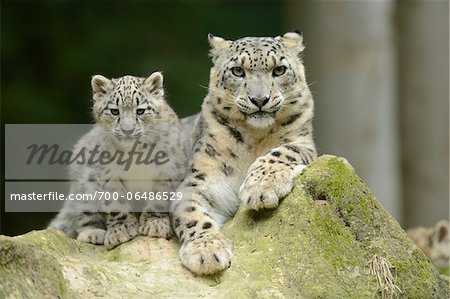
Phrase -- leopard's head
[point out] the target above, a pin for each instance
(127, 106)
(258, 80)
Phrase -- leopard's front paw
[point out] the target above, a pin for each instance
(265, 186)
(121, 233)
(155, 226)
(92, 235)
(208, 254)
(256, 197)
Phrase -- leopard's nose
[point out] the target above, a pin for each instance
(259, 102)
(128, 132)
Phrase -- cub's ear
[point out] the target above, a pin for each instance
(154, 84)
(293, 40)
(101, 84)
(217, 44)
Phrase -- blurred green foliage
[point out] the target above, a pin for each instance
(50, 50)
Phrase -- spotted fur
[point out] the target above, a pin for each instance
(126, 110)
(252, 139)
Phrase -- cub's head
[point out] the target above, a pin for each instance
(128, 105)
(259, 80)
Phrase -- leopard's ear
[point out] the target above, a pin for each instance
(101, 85)
(154, 84)
(441, 230)
(218, 45)
(293, 40)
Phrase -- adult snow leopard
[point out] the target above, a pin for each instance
(251, 140)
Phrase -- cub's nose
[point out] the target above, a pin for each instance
(128, 132)
(259, 102)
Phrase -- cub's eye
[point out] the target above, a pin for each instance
(140, 111)
(238, 71)
(279, 71)
(114, 111)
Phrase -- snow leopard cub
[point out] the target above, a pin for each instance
(132, 117)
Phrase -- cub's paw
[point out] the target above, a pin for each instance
(155, 226)
(208, 254)
(120, 233)
(264, 186)
(92, 235)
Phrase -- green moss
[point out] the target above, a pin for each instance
(335, 226)
(445, 271)
(24, 266)
(113, 255)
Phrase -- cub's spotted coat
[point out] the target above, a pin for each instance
(126, 110)
(251, 140)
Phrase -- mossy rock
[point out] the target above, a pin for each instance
(318, 244)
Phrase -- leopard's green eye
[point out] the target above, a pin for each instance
(140, 111)
(279, 71)
(114, 111)
(238, 71)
